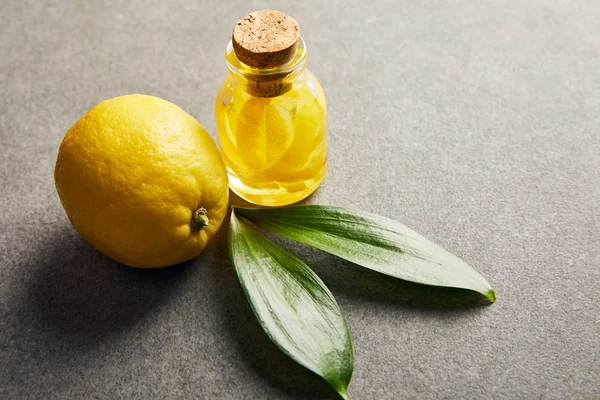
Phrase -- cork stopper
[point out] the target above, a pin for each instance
(265, 39)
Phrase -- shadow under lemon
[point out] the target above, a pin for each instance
(78, 293)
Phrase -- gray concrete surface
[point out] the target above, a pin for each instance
(475, 123)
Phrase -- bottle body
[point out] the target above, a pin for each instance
(272, 131)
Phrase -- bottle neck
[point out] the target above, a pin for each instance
(271, 82)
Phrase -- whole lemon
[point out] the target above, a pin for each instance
(142, 181)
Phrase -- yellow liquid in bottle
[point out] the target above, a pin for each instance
(275, 148)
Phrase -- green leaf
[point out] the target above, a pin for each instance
(292, 304)
(372, 241)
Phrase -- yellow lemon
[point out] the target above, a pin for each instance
(142, 181)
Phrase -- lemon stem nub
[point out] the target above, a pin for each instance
(199, 219)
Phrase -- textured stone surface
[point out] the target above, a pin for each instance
(476, 124)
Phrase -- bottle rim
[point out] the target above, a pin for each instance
(295, 65)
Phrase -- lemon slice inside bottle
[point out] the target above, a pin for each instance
(264, 133)
(279, 132)
(306, 127)
(250, 133)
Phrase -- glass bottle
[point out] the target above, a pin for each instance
(271, 119)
